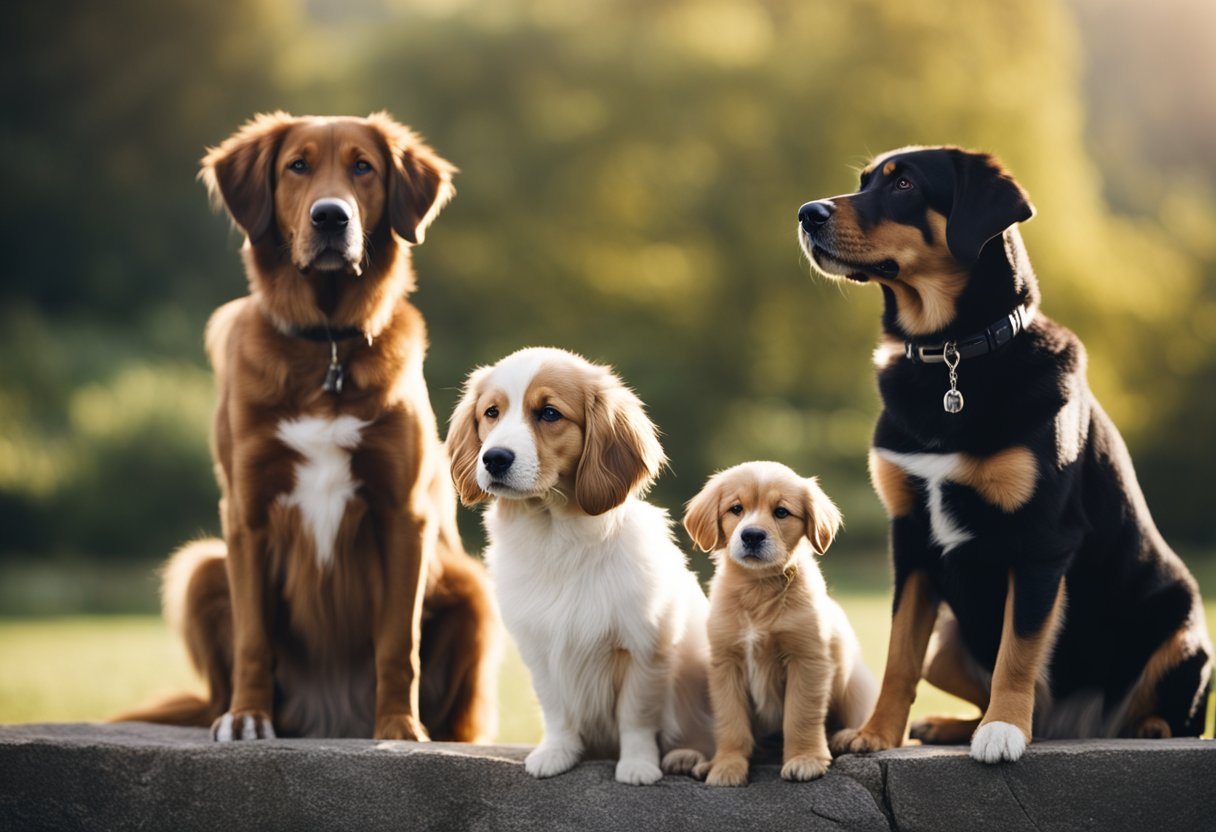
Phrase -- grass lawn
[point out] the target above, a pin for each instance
(86, 668)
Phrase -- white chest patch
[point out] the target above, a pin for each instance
(934, 469)
(324, 484)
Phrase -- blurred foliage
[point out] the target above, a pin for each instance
(630, 176)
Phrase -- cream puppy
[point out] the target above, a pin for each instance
(784, 656)
(592, 587)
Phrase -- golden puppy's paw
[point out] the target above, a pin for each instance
(400, 727)
(805, 767)
(681, 761)
(727, 771)
(859, 741)
(242, 725)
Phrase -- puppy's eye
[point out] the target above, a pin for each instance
(781, 512)
(548, 414)
(491, 412)
(363, 166)
(736, 509)
(298, 166)
(903, 183)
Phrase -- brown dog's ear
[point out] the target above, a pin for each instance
(987, 200)
(702, 520)
(621, 451)
(463, 443)
(823, 519)
(419, 179)
(239, 174)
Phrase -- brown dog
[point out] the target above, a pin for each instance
(341, 569)
(784, 658)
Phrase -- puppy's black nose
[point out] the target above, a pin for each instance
(814, 214)
(330, 214)
(497, 461)
(752, 538)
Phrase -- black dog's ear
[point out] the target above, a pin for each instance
(987, 200)
(239, 174)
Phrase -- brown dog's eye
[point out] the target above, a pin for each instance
(781, 512)
(548, 414)
(298, 166)
(903, 184)
(736, 509)
(363, 166)
(491, 412)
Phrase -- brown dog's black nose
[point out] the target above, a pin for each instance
(330, 214)
(752, 538)
(814, 214)
(497, 461)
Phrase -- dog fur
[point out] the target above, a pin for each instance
(785, 660)
(1064, 612)
(598, 597)
(340, 602)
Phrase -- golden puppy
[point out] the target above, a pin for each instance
(783, 656)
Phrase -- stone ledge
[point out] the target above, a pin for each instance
(135, 776)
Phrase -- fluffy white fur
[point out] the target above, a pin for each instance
(612, 626)
(997, 742)
(607, 616)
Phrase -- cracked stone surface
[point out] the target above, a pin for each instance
(1103, 785)
(136, 776)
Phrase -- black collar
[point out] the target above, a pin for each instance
(989, 340)
(325, 334)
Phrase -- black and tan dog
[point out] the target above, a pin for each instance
(1015, 511)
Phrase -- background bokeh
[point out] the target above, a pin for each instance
(630, 176)
(631, 171)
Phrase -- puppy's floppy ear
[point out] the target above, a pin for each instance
(419, 179)
(621, 451)
(463, 443)
(987, 200)
(239, 174)
(701, 518)
(823, 519)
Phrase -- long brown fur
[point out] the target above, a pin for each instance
(397, 629)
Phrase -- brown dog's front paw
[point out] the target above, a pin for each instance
(400, 727)
(859, 741)
(242, 725)
(726, 771)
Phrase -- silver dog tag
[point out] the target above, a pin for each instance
(334, 374)
(953, 401)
